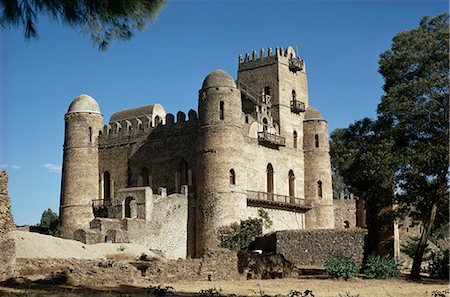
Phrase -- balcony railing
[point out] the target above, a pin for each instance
(297, 106)
(100, 207)
(295, 64)
(271, 140)
(276, 201)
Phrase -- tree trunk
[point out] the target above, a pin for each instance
(417, 262)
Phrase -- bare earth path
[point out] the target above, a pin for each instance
(320, 288)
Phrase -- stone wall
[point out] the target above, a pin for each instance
(7, 248)
(215, 265)
(344, 213)
(312, 247)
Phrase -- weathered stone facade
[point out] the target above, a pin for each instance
(7, 248)
(254, 143)
(312, 247)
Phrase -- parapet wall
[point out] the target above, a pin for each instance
(312, 247)
(7, 248)
(253, 60)
(133, 130)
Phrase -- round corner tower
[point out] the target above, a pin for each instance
(80, 175)
(221, 176)
(318, 185)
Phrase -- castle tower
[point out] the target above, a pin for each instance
(80, 176)
(318, 187)
(279, 78)
(221, 177)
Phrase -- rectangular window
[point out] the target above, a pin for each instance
(221, 110)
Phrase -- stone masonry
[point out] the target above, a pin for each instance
(254, 143)
(7, 248)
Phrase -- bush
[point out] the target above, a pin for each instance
(341, 266)
(238, 237)
(381, 267)
(439, 265)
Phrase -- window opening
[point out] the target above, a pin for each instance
(232, 177)
(221, 110)
(319, 189)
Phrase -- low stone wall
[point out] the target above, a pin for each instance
(7, 248)
(215, 265)
(220, 264)
(312, 247)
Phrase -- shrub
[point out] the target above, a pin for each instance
(381, 267)
(439, 264)
(160, 291)
(213, 292)
(341, 266)
(238, 237)
(410, 247)
(143, 257)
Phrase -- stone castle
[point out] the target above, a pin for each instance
(254, 145)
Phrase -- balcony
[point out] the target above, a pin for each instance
(297, 106)
(271, 140)
(100, 207)
(295, 64)
(276, 201)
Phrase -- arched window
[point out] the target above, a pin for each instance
(295, 139)
(232, 177)
(145, 176)
(106, 185)
(346, 224)
(292, 185)
(100, 132)
(294, 95)
(90, 134)
(183, 173)
(270, 183)
(316, 139)
(319, 189)
(267, 91)
(129, 208)
(157, 120)
(221, 110)
(265, 125)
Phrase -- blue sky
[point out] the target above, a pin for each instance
(340, 41)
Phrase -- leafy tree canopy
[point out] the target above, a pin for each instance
(103, 20)
(50, 220)
(404, 152)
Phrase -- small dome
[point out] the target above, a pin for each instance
(312, 114)
(218, 78)
(84, 103)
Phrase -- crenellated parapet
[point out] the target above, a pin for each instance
(137, 129)
(279, 55)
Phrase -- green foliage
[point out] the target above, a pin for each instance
(410, 247)
(238, 237)
(405, 150)
(104, 21)
(341, 266)
(264, 215)
(439, 265)
(378, 267)
(50, 220)
(160, 291)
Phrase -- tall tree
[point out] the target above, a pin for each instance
(416, 106)
(103, 20)
(50, 220)
(365, 158)
(403, 155)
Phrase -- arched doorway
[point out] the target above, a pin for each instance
(292, 186)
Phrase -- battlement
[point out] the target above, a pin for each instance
(286, 56)
(136, 129)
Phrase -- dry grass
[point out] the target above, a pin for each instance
(320, 287)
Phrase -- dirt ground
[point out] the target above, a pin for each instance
(320, 288)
